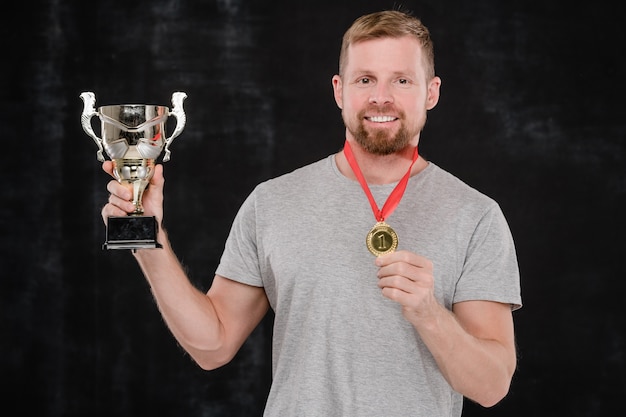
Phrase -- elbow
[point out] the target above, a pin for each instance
(493, 393)
(207, 355)
(209, 360)
(210, 363)
(497, 387)
(493, 397)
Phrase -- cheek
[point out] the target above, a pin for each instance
(353, 102)
(416, 106)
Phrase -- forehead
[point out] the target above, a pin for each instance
(385, 54)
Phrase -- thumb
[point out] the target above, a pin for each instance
(158, 180)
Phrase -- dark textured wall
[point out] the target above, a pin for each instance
(531, 113)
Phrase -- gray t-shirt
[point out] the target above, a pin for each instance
(339, 347)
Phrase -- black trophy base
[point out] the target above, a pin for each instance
(131, 232)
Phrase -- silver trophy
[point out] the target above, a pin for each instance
(133, 136)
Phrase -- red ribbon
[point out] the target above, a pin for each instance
(396, 195)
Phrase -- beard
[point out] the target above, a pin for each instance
(381, 141)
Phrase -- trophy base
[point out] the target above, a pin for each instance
(131, 232)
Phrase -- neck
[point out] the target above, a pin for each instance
(380, 169)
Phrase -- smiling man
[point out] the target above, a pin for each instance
(392, 282)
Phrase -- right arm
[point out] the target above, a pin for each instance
(211, 327)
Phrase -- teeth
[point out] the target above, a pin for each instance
(382, 119)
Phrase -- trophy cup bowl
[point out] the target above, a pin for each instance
(133, 137)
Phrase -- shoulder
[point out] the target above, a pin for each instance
(307, 177)
(452, 189)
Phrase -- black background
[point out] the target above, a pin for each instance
(531, 113)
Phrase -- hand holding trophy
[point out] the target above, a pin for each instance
(133, 136)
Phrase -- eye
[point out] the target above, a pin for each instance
(404, 82)
(364, 81)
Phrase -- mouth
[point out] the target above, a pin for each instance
(381, 119)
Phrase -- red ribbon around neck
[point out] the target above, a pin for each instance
(396, 195)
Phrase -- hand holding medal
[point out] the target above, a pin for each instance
(382, 238)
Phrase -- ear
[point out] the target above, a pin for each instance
(433, 92)
(337, 90)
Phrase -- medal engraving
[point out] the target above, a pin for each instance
(381, 239)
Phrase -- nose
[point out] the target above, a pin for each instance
(381, 94)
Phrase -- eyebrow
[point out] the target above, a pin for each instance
(395, 74)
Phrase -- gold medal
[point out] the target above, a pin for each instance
(381, 239)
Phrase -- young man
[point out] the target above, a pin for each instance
(392, 282)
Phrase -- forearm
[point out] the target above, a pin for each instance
(477, 367)
(187, 311)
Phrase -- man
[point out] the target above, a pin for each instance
(393, 311)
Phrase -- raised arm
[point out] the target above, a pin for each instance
(211, 327)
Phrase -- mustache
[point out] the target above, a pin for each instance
(384, 109)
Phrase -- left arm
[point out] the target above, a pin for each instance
(473, 345)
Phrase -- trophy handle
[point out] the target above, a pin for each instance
(181, 119)
(89, 111)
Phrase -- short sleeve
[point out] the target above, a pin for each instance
(490, 270)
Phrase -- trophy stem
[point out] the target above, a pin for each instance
(138, 188)
(136, 174)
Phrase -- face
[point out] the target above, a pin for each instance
(384, 94)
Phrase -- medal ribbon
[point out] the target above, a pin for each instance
(396, 195)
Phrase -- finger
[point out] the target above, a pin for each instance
(408, 301)
(157, 183)
(107, 166)
(158, 178)
(403, 270)
(120, 196)
(119, 190)
(111, 210)
(404, 256)
(396, 294)
(397, 282)
(124, 205)
(407, 292)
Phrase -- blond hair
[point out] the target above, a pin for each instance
(389, 24)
